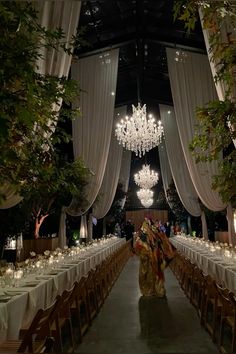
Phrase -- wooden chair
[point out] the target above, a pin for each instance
(210, 307)
(91, 295)
(187, 277)
(227, 320)
(61, 328)
(79, 308)
(197, 289)
(36, 337)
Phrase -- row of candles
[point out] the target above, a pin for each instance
(228, 251)
(50, 260)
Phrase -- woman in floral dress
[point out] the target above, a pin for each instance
(155, 252)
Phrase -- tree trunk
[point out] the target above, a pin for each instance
(38, 223)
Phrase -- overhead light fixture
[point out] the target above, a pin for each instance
(145, 194)
(146, 202)
(146, 178)
(139, 133)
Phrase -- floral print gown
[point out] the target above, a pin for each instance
(155, 252)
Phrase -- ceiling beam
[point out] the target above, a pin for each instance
(120, 42)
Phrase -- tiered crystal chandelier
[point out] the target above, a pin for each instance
(139, 133)
(146, 203)
(146, 178)
(146, 197)
(145, 194)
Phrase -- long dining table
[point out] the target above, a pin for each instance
(18, 305)
(220, 268)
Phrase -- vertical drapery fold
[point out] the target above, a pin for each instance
(192, 86)
(165, 167)
(62, 14)
(110, 180)
(92, 131)
(125, 174)
(178, 167)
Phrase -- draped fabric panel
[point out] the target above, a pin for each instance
(92, 131)
(125, 174)
(110, 180)
(12, 198)
(62, 14)
(227, 28)
(192, 86)
(62, 229)
(178, 167)
(165, 167)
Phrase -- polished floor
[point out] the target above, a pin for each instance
(131, 324)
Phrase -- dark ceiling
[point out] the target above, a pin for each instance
(142, 30)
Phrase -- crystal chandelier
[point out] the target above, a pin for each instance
(145, 194)
(139, 133)
(146, 178)
(146, 202)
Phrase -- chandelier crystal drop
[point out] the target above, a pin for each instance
(145, 194)
(146, 178)
(139, 133)
(146, 202)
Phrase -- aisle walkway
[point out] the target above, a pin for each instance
(131, 324)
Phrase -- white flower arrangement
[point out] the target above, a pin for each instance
(32, 254)
(65, 247)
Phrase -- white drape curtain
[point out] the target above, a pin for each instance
(178, 167)
(110, 180)
(227, 28)
(51, 15)
(192, 86)
(62, 14)
(11, 198)
(125, 174)
(92, 131)
(166, 174)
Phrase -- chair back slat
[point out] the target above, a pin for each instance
(40, 326)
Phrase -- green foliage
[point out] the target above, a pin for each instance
(56, 184)
(116, 214)
(217, 120)
(213, 133)
(175, 203)
(28, 110)
(29, 129)
(186, 11)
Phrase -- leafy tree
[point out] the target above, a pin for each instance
(29, 131)
(29, 100)
(116, 214)
(56, 184)
(175, 203)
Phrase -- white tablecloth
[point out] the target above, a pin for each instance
(20, 310)
(216, 266)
